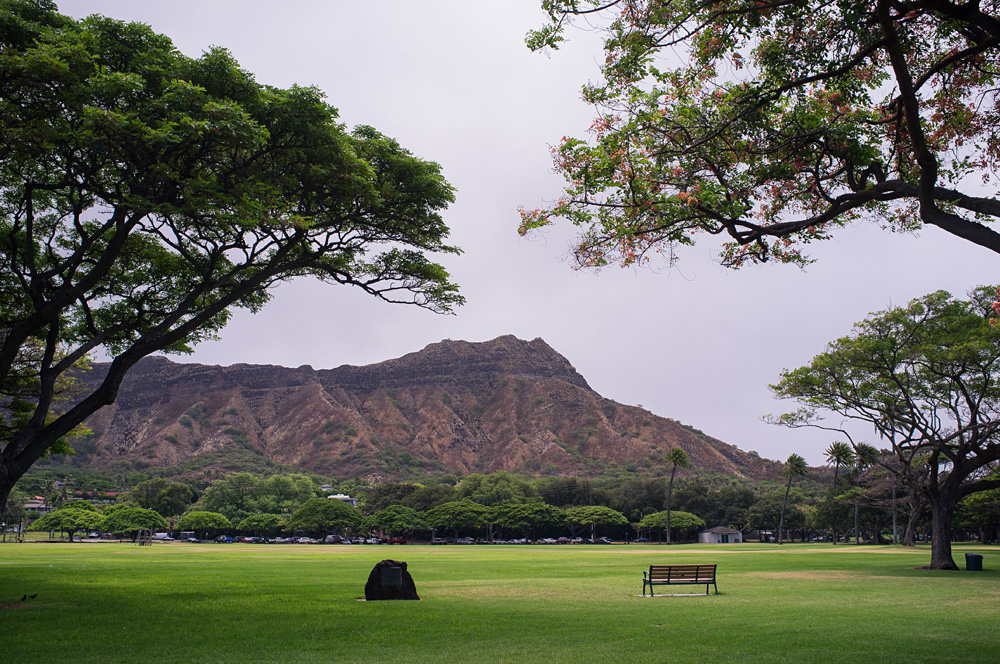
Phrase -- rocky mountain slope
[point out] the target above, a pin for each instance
(454, 406)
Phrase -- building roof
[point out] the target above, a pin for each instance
(721, 530)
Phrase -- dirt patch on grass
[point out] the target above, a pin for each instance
(13, 605)
(811, 574)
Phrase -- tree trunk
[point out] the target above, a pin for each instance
(670, 491)
(833, 491)
(784, 503)
(942, 510)
(909, 535)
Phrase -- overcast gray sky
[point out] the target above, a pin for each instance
(454, 83)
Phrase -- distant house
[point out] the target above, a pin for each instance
(38, 504)
(720, 535)
(346, 499)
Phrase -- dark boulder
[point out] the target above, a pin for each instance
(390, 580)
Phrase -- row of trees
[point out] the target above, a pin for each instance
(860, 501)
(80, 515)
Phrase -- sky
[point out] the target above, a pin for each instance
(452, 81)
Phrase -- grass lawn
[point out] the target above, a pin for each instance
(109, 602)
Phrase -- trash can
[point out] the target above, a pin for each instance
(973, 562)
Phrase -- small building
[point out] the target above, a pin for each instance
(720, 535)
(346, 499)
(38, 504)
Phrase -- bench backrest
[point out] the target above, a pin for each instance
(692, 573)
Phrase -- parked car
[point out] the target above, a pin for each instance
(603, 540)
(547, 540)
(641, 539)
(397, 540)
(465, 540)
(192, 540)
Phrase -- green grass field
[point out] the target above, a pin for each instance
(108, 602)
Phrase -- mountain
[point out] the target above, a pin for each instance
(455, 406)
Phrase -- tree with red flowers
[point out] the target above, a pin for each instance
(775, 123)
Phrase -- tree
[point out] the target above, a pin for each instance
(429, 497)
(565, 491)
(167, 498)
(125, 519)
(638, 497)
(147, 194)
(321, 516)
(525, 516)
(767, 510)
(729, 505)
(13, 513)
(261, 524)
(231, 496)
(788, 121)
(592, 516)
(73, 516)
(681, 521)
(456, 514)
(795, 467)
(676, 457)
(397, 519)
(982, 512)
(496, 488)
(839, 454)
(282, 494)
(386, 495)
(206, 522)
(865, 456)
(926, 377)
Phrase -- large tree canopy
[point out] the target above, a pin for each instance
(73, 516)
(144, 194)
(926, 377)
(775, 122)
(324, 516)
(130, 519)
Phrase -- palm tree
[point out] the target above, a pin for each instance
(865, 456)
(675, 457)
(795, 466)
(839, 454)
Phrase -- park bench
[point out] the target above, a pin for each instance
(669, 575)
